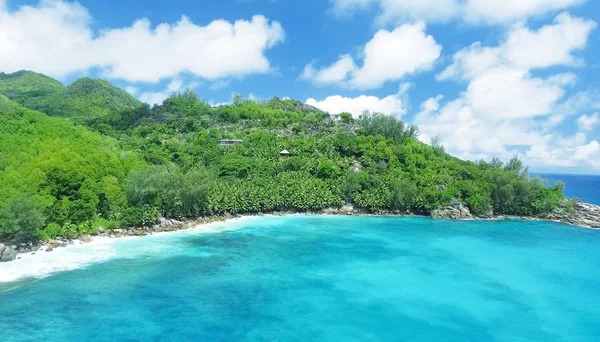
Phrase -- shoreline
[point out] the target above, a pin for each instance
(171, 226)
(32, 266)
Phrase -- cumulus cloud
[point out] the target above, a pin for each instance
(156, 98)
(132, 90)
(501, 12)
(395, 11)
(56, 38)
(551, 45)
(504, 93)
(390, 105)
(489, 12)
(588, 122)
(389, 56)
(505, 110)
(334, 74)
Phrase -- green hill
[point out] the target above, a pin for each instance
(132, 166)
(30, 89)
(86, 99)
(7, 105)
(91, 98)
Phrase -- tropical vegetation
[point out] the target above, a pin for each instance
(88, 155)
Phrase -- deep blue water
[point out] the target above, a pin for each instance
(584, 187)
(314, 278)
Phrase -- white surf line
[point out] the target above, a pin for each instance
(79, 255)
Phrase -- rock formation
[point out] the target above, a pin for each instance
(576, 212)
(7, 253)
(454, 211)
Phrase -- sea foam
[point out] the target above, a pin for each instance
(79, 255)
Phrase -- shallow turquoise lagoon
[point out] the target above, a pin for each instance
(313, 278)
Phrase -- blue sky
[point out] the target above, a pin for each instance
(490, 78)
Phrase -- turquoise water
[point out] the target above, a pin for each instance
(312, 278)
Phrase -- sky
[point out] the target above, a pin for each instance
(488, 78)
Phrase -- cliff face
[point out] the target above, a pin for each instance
(579, 213)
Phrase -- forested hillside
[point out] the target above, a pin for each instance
(129, 164)
(84, 100)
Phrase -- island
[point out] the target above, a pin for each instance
(89, 159)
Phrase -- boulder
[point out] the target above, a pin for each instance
(7, 253)
(53, 243)
(454, 211)
(85, 238)
(49, 249)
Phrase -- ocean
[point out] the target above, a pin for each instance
(314, 278)
(584, 187)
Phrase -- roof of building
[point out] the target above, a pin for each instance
(285, 152)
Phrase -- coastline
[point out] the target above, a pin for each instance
(77, 254)
(206, 223)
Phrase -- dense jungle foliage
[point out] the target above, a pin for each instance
(121, 163)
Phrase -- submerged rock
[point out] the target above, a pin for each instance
(454, 211)
(7, 253)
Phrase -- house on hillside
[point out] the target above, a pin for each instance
(230, 142)
(285, 153)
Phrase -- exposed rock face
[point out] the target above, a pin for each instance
(581, 214)
(7, 253)
(454, 211)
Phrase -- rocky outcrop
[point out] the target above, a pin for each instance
(85, 238)
(7, 253)
(576, 212)
(454, 211)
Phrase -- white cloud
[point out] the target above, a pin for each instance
(334, 74)
(390, 105)
(222, 84)
(153, 98)
(389, 56)
(588, 122)
(587, 151)
(508, 11)
(506, 93)
(472, 11)
(550, 45)
(56, 38)
(506, 110)
(470, 62)
(132, 90)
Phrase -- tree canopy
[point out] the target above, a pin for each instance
(128, 164)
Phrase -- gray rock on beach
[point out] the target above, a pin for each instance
(7, 253)
(85, 238)
(454, 211)
(581, 214)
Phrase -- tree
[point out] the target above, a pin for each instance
(436, 143)
(346, 117)
(22, 219)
